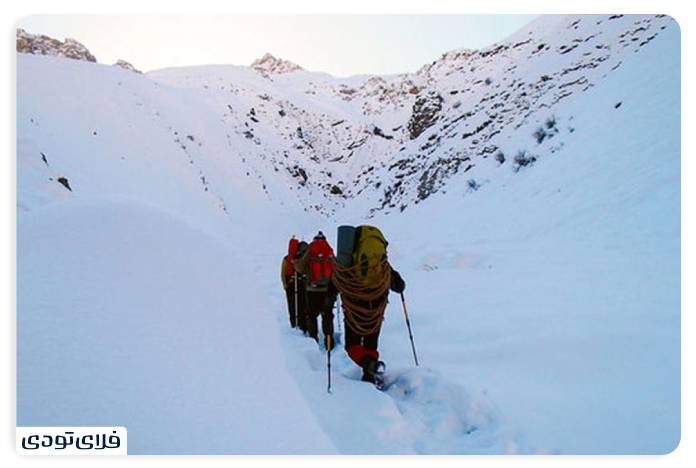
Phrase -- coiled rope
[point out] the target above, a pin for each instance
(364, 320)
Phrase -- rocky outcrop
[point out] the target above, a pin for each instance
(425, 113)
(127, 66)
(271, 65)
(39, 44)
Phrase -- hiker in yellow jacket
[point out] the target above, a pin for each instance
(364, 278)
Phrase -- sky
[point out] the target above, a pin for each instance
(342, 45)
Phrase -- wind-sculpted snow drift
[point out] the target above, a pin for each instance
(529, 191)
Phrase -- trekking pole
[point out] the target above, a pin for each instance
(408, 325)
(328, 360)
(338, 313)
(297, 315)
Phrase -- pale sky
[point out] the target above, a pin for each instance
(341, 45)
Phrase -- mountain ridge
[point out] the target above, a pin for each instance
(378, 144)
(407, 135)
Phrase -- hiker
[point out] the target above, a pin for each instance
(363, 276)
(316, 263)
(293, 284)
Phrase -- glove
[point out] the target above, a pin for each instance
(397, 283)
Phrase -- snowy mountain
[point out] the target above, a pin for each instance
(530, 192)
(388, 143)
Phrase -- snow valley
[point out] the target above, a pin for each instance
(530, 193)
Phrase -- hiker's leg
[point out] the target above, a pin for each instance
(353, 342)
(327, 314)
(370, 343)
(313, 311)
(290, 296)
(350, 338)
(302, 316)
(354, 347)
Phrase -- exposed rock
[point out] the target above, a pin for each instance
(127, 66)
(298, 173)
(425, 113)
(64, 182)
(43, 45)
(271, 65)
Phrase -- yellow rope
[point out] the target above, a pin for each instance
(364, 320)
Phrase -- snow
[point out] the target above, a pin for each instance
(565, 282)
(137, 319)
(545, 304)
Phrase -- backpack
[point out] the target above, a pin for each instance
(369, 256)
(292, 249)
(320, 265)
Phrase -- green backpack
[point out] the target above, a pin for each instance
(369, 255)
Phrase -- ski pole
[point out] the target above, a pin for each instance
(297, 315)
(408, 325)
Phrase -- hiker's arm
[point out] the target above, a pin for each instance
(397, 282)
(300, 264)
(282, 274)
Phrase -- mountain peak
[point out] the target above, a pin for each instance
(40, 44)
(272, 65)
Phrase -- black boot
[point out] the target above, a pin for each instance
(373, 371)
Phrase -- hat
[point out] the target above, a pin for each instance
(301, 248)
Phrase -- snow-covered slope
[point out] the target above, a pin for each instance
(130, 316)
(530, 193)
(387, 143)
(556, 289)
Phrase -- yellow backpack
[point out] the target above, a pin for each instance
(369, 255)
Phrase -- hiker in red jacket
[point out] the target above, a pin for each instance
(316, 264)
(294, 285)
